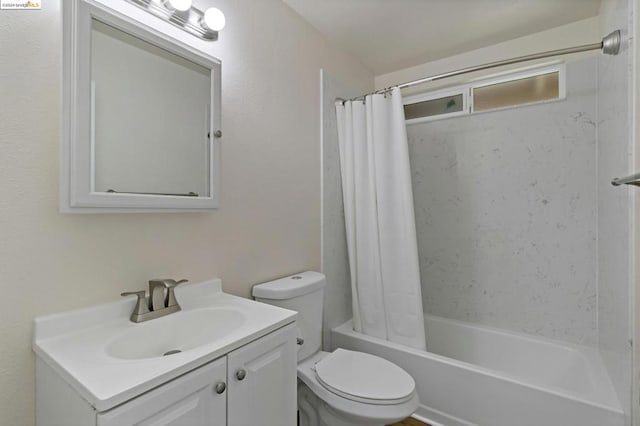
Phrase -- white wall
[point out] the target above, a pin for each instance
(615, 203)
(269, 221)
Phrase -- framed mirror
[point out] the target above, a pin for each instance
(141, 116)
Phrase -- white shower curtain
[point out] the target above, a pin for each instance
(379, 218)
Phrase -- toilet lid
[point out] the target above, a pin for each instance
(364, 377)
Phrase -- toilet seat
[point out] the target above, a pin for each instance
(364, 378)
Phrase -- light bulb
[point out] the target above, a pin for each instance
(179, 5)
(213, 19)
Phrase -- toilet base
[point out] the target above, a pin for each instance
(315, 412)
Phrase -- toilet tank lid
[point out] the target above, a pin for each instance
(291, 286)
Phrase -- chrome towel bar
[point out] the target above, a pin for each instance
(628, 180)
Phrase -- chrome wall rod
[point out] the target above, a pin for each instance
(628, 180)
(609, 45)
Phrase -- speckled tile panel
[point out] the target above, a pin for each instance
(505, 207)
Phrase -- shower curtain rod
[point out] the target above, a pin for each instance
(609, 45)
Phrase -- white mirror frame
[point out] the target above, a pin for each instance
(76, 174)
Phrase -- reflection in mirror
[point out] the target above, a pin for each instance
(150, 120)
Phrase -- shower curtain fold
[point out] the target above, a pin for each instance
(379, 219)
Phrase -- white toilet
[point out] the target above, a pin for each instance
(340, 388)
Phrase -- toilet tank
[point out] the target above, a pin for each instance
(303, 293)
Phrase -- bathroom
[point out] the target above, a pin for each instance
(280, 202)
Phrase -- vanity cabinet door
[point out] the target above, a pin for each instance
(195, 399)
(262, 381)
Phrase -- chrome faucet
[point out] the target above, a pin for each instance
(161, 301)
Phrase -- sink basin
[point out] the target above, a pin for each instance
(175, 333)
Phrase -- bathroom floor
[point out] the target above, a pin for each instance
(409, 422)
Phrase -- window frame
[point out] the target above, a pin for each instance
(467, 91)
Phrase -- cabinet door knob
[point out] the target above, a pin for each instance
(241, 374)
(220, 387)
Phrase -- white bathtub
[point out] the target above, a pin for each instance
(476, 375)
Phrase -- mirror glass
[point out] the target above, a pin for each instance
(150, 120)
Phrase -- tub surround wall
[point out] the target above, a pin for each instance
(614, 204)
(581, 327)
(505, 208)
(635, 216)
(268, 224)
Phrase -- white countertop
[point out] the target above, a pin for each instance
(75, 343)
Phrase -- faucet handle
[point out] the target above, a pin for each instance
(171, 296)
(141, 303)
(170, 283)
(173, 283)
(165, 282)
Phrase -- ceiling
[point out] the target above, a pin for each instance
(388, 35)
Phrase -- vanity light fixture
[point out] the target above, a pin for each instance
(213, 19)
(182, 14)
(179, 5)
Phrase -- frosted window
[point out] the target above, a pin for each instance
(517, 92)
(440, 106)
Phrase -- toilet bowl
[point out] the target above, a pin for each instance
(340, 388)
(357, 389)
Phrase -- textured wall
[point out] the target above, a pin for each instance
(269, 221)
(614, 203)
(506, 212)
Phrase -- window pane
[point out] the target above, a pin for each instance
(517, 92)
(433, 107)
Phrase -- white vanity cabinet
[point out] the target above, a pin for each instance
(193, 399)
(252, 385)
(262, 382)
